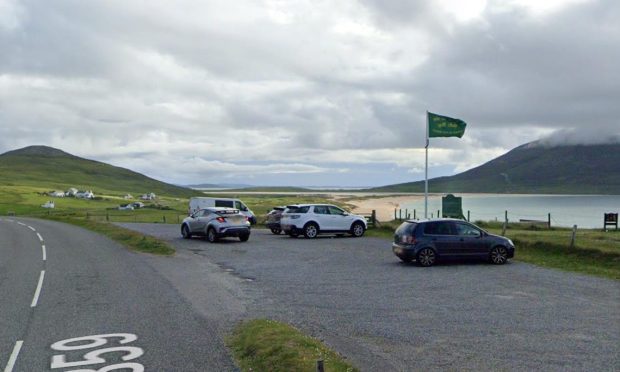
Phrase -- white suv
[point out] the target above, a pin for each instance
(313, 219)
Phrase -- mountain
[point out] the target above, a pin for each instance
(50, 168)
(535, 168)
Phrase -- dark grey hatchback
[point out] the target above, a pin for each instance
(429, 240)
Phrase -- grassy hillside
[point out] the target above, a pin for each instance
(47, 168)
(533, 168)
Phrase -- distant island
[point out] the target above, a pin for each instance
(534, 168)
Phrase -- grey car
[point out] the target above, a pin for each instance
(429, 240)
(216, 223)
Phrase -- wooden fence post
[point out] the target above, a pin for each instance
(373, 218)
(414, 216)
(468, 216)
(320, 366)
(573, 236)
(548, 220)
(438, 214)
(394, 213)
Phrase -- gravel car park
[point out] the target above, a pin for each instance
(387, 315)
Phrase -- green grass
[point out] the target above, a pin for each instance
(266, 345)
(130, 239)
(595, 252)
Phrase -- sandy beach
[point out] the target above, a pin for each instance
(384, 206)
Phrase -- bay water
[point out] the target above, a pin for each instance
(585, 211)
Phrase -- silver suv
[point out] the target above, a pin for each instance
(216, 223)
(313, 219)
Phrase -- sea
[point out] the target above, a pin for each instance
(585, 211)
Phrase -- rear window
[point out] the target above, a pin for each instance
(298, 209)
(406, 228)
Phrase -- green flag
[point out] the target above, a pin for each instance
(443, 126)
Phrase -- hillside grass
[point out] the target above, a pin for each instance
(267, 345)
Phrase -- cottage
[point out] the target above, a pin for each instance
(49, 204)
(85, 194)
(125, 207)
(71, 192)
(56, 194)
(150, 196)
(127, 197)
(137, 205)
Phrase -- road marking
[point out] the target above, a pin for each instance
(35, 299)
(21, 223)
(32, 228)
(13, 357)
(44, 254)
(40, 237)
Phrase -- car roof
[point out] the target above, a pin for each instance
(220, 209)
(308, 205)
(426, 220)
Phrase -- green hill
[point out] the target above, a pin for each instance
(50, 168)
(535, 169)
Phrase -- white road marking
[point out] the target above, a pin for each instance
(13, 357)
(35, 299)
(40, 237)
(21, 223)
(44, 253)
(32, 228)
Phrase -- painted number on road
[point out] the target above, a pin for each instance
(94, 356)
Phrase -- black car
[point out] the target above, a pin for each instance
(429, 240)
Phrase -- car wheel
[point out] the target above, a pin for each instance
(276, 230)
(185, 232)
(426, 257)
(357, 230)
(498, 255)
(311, 230)
(244, 237)
(211, 235)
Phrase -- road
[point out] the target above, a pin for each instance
(74, 300)
(388, 316)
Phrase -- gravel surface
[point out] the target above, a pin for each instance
(387, 316)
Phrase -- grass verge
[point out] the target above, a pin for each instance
(595, 252)
(267, 345)
(130, 239)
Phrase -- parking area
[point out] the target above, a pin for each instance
(385, 315)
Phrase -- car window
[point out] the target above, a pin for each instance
(406, 228)
(438, 228)
(335, 210)
(224, 203)
(320, 209)
(298, 209)
(466, 230)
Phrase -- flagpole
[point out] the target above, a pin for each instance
(426, 173)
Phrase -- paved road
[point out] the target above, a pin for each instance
(389, 316)
(68, 295)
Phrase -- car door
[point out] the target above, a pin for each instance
(199, 221)
(442, 237)
(470, 240)
(340, 220)
(322, 217)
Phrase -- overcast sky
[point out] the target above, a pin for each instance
(308, 92)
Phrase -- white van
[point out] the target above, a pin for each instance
(198, 203)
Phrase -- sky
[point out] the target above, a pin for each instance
(305, 92)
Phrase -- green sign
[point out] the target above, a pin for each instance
(443, 126)
(451, 206)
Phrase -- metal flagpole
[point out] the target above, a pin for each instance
(426, 173)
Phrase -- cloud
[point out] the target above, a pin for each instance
(303, 91)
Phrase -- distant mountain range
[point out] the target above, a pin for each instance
(534, 168)
(50, 168)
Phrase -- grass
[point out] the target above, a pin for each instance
(130, 239)
(267, 345)
(595, 252)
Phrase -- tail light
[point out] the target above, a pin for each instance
(221, 219)
(407, 239)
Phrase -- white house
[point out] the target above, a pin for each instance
(150, 196)
(85, 194)
(49, 204)
(127, 207)
(56, 194)
(127, 197)
(71, 192)
(137, 205)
